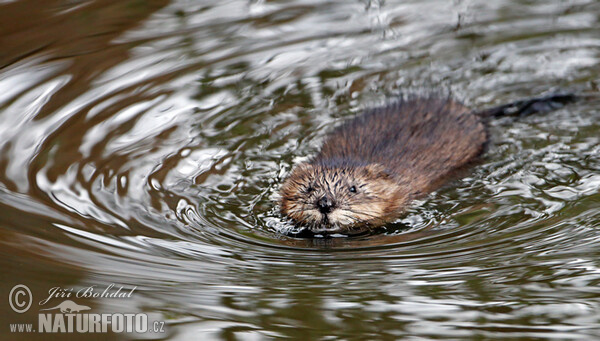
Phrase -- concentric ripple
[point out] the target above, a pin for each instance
(143, 143)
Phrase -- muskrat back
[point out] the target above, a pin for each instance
(418, 139)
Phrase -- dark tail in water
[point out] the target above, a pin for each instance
(530, 106)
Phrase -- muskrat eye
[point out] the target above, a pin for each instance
(353, 189)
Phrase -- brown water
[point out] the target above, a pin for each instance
(142, 143)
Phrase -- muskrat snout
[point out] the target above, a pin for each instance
(325, 204)
(342, 198)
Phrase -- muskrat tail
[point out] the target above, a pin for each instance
(530, 106)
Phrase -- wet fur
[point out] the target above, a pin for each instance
(392, 154)
(418, 141)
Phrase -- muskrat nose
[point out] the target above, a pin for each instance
(325, 204)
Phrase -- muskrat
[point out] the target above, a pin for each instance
(371, 167)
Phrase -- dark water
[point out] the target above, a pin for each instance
(142, 144)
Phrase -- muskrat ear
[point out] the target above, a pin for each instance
(303, 170)
(377, 170)
(304, 167)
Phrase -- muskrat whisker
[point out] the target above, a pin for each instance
(300, 222)
(353, 219)
(363, 213)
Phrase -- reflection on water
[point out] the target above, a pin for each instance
(142, 143)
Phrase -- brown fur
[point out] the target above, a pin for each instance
(391, 155)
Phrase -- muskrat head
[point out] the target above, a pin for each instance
(340, 199)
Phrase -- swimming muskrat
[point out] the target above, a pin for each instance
(371, 167)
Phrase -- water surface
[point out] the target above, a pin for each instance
(142, 143)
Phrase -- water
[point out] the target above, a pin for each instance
(143, 143)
